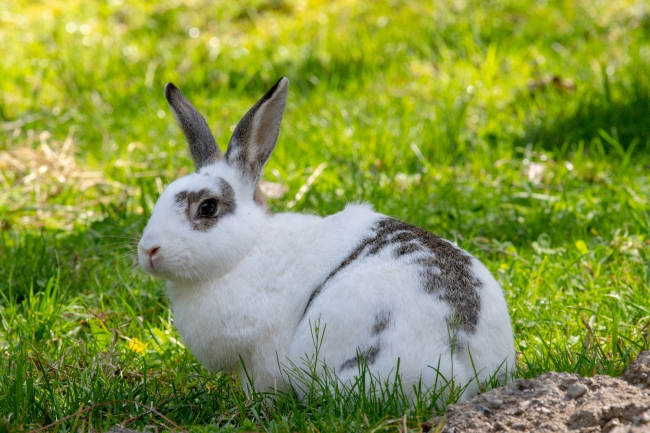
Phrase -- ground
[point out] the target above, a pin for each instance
(558, 402)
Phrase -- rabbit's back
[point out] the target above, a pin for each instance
(404, 293)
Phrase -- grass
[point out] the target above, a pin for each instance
(518, 129)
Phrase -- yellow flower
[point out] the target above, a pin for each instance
(582, 247)
(137, 346)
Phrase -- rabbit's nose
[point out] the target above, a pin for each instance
(151, 251)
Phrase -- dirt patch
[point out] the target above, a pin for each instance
(558, 402)
(638, 372)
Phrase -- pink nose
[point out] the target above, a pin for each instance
(150, 252)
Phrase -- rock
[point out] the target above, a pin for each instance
(485, 411)
(494, 404)
(576, 390)
(555, 402)
(638, 372)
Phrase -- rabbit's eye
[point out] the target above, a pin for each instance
(208, 208)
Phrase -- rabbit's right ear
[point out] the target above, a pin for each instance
(203, 147)
(255, 136)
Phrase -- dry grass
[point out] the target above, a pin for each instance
(43, 185)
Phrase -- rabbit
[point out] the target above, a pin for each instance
(261, 294)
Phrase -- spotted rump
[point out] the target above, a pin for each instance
(446, 270)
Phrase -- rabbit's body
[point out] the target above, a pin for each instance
(261, 294)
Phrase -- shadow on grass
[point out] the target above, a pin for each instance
(616, 121)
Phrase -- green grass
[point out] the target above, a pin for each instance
(518, 129)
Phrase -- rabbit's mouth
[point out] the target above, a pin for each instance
(159, 265)
(152, 261)
(155, 267)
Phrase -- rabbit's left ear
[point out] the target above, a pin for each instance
(203, 146)
(257, 132)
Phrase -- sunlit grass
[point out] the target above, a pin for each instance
(517, 129)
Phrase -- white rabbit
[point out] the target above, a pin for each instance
(247, 287)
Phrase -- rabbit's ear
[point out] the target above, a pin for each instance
(203, 146)
(256, 134)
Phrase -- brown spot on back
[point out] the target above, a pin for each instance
(445, 269)
(369, 356)
(382, 320)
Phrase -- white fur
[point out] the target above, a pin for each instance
(239, 290)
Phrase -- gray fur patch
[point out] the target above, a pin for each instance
(369, 356)
(382, 320)
(191, 201)
(446, 270)
(181, 198)
(227, 202)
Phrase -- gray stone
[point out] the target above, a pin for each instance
(576, 390)
(494, 404)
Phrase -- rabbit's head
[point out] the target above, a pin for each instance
(204, 223)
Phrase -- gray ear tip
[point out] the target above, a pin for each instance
(282, 86)
(169, 90)
(283, 83)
